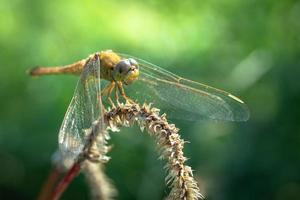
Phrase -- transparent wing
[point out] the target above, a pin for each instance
(84, 109)
(191, 100)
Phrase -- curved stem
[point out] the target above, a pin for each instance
(66, 180)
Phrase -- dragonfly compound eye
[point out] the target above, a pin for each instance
(123, 67)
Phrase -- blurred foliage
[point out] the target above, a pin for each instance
(251, 48)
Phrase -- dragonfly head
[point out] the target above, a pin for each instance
(126, 70)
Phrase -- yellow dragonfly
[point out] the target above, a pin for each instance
(143, 81)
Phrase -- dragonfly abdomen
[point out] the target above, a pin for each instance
(74, 68)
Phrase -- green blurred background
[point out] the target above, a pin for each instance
(250, 48)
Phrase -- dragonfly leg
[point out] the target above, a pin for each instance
(122, 92)
(107, 92)
(117, 96)
(111, 88)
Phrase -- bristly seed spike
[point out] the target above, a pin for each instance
(179, 176)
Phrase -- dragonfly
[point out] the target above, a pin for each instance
(143, 81)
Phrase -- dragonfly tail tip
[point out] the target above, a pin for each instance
(33, 71)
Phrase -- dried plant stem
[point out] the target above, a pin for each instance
(49, 184)
(67, 179)
(101, 188)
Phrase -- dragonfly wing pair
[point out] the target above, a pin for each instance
(84, 109)
(191, 100)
